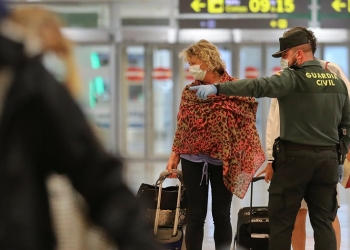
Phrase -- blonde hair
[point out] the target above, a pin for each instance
(45, 25)
(206, 52)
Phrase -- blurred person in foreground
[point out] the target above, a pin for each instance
(217, 142)
(72, 228)
(314, 108)
(273, 131)
(43, 131)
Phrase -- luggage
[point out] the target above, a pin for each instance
(252, 226)
(166, 229)
(148, 196)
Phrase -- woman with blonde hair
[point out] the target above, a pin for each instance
(217, 142)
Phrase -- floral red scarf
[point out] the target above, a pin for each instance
(222, 127)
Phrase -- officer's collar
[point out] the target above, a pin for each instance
(307, 64)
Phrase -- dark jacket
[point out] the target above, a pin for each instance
(43, 131)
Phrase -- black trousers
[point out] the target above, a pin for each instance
(309, 174)
(197, 198)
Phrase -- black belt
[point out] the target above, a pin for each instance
(297, 146)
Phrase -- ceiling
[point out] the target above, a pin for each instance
(157, 21)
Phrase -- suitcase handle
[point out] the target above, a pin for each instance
(163, 175)
(251, 200)
(260, 236)
(258, 178)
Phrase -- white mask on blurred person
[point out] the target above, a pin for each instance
(55, 66)
(197, 72)
(284, 62)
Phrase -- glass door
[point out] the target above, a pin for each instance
(132, 95)
(95, 68)
(147, 101)
(161, 112)
(251, 66)
(338, 54)
(272, 64)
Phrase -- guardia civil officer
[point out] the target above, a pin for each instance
(314, 105)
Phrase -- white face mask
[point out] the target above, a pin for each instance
(55, 66)
(197, 72)
(284, 62)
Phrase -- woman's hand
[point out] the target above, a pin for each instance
(268, 170)
(173, 161)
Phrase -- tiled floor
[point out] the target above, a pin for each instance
(139, 172)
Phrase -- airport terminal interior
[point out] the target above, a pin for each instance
(132, 76)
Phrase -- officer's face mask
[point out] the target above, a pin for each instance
(197, 72)
(285, 62)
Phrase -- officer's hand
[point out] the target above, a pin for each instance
(268, 172)
(204, 90)
(340, 172)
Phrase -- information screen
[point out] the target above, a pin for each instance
(335, 7)
(333, 23)
(244, 6)
(334, 14)
(241, 23)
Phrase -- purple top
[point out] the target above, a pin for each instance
(202, 158)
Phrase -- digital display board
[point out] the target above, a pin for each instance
(335, 7)
(244, 6)
(332, 23)
(241, 23)
(334, 14)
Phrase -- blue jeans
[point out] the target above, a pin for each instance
(197, 198)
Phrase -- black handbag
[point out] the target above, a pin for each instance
(148, 196)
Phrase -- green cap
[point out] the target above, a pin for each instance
(291, 40)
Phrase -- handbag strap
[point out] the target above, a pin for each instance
(162, 177)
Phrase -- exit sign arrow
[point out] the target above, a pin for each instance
(197, 5)
(337, 5)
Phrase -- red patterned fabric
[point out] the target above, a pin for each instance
(222, 127)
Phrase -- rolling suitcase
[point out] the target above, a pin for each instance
(170, 237)
(252, 226)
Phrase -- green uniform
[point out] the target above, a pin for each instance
(314, 104)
